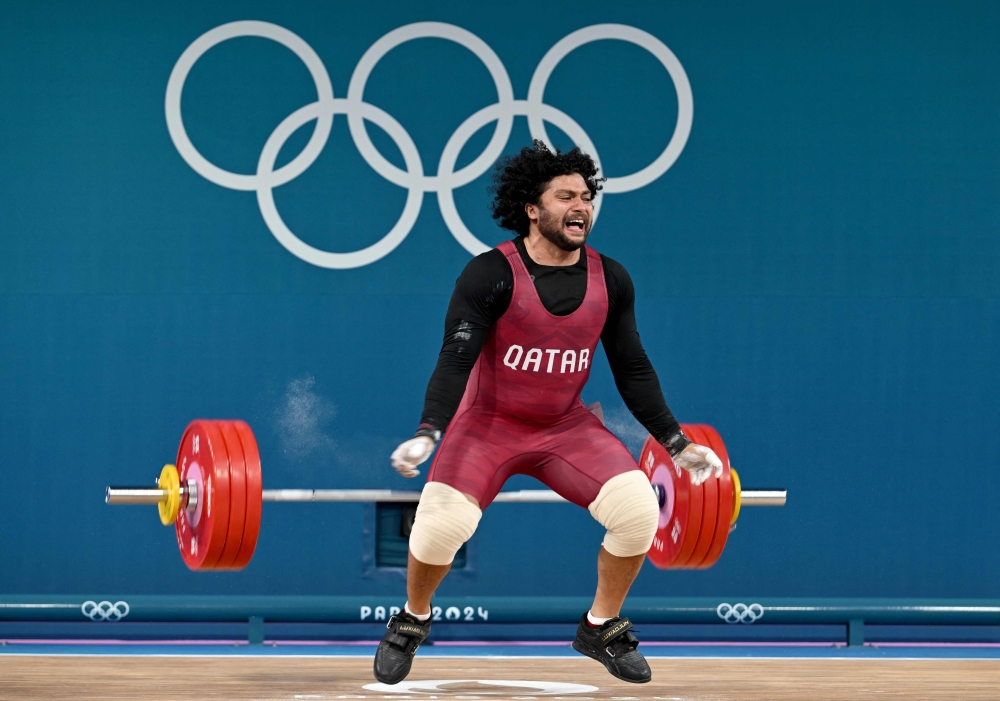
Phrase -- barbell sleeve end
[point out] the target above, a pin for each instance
(764, 497)
(134, 495)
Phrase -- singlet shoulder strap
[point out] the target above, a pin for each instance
(509, 249)
(597, 289)
(594, 261)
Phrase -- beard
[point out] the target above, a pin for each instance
(551, 227)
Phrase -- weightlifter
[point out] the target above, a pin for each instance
(521, 330)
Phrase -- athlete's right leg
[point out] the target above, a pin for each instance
(479, 452)
(472, 463)
(446, 518)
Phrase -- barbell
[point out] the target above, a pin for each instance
(214, 496)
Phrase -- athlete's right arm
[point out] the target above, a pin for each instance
(481, 296)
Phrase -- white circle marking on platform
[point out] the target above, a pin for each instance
(433, 686)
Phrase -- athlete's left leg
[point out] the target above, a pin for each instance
(614, 578)
(589, 466)
(627, 507)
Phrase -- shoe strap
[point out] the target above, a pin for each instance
(618, 639)
(405, 634)
(616, 630)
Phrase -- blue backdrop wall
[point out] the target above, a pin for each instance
(817, 276)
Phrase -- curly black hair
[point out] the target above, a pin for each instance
(520, 179)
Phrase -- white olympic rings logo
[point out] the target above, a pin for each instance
(413, 178)
(105, 611)
(740, 613)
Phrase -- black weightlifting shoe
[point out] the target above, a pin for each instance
(395, 653)
(613, 645)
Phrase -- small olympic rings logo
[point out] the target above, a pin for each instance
(740, 613)
(413, 178)
(105, 610)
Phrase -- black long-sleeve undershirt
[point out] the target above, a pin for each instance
(482, 295)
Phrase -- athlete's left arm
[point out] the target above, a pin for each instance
(634, 374)
(637, 381)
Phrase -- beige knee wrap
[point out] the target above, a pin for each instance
(627, 507)
(445, 519)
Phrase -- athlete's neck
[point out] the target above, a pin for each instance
(544, 252)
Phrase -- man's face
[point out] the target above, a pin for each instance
(564, 212)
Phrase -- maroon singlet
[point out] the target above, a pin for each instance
(521, 412)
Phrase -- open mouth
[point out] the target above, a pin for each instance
(576, 225)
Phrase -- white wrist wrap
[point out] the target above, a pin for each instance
(627, 507)
(445, 519)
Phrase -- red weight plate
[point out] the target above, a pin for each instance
(672, 528)
(725, 514)
(202, 457)
(237, 495)
(695, 508)
(255, 486)
(709, 514)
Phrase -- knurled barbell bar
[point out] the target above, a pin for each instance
(214, 496)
